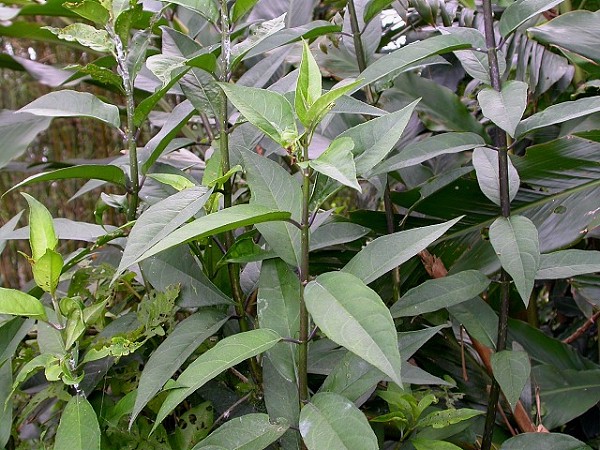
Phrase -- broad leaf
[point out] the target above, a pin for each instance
(158, 221)
(86, 35)
(374, 139)
(173, 352)
(269, 111)
(479, 319)
(568, 263)
(47, 270)
(354, 316)
(447, 417)
(547, 441)
(308, 88)
(428, 148)
(68, 103)
(504, 108)
(42, 236)
(431, 444)
(78, 428)
(387, 252)
(272, 187)
(511, 371)
(326, 102)
(515, 240)
(485, 161)
(440, 293)
(559, 113)
(249, 432)
(17, 303)
(335, 233)
(333, 422)
(337, 162)
(241, 7)
(206, 8)
(521, 11)
(18, 132)
(227, 353)
(374, 7)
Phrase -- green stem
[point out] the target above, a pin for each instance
(500, 142)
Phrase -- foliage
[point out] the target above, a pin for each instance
(339, 205)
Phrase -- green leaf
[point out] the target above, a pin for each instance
(515, 240)
(447, 417)
(335, 233)
(511, 371)
(272, 187)
(227, 353)
(575, 31)
(374, 139)
(176, 181)
(78, 428)
(440, 293)
(278, 308)
(568, 263)
(241, 7)
(269, 111)
(86, 35)
(173, 352)
(547, 441)
(521, 11)
(430, 444)
(559, 113)
(386, 252)
(337, 162)
(206, 8)
(374, 8)
(352, 315)
(248, 432)
(331, 421)
(90, 10)
(42, 236)
(68, 103)
(6, 406)
(504, 108)
(17, 303)
(160, 220)
(47, 270)
(430, 147)
(309, 85)
(485, 161)
(326, 102)
(479, 319)
(18, 132)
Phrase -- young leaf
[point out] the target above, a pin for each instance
(511, 371)
(337, 162)
(485, 161)
(173, 352)
(325, 102)
(354, 316)
(17, 303)
(42, 236)
(504, 108)
(68, 103)
(78, 428)
(47, 270)
(515, 240)
(309, 85)
(158, 221)
(227, 353)
(447, 417)
(386, 252)
(568, 263)
(519, 12)
(176, 181)
(248, 432)
(269, 111)
(333, 422)
(440, 293)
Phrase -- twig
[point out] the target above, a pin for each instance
(582, 329)
(229, 410)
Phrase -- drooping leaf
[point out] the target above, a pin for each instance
(78, 428)
(19, 303)
(558, 113)
(248, 432)
(521, 11)
(515, 240)
(335, 233)
(386, 252)
(374, 7)
(440, 293)
(547, 441)
(511, 371)
(269, 111)
(479, 319)
(354, 316)
(308, 88)
(206, 8)
(568, 263)
(42, 236)
(504, 108)
(227, 353)
(272, 187)
(173, 352)
(160, 220)
(337, 162)
(430, 147)
(68, 103)
(485, 161)
(18, 132)
(333, 422)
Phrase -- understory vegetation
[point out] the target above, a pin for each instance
(300, 224)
